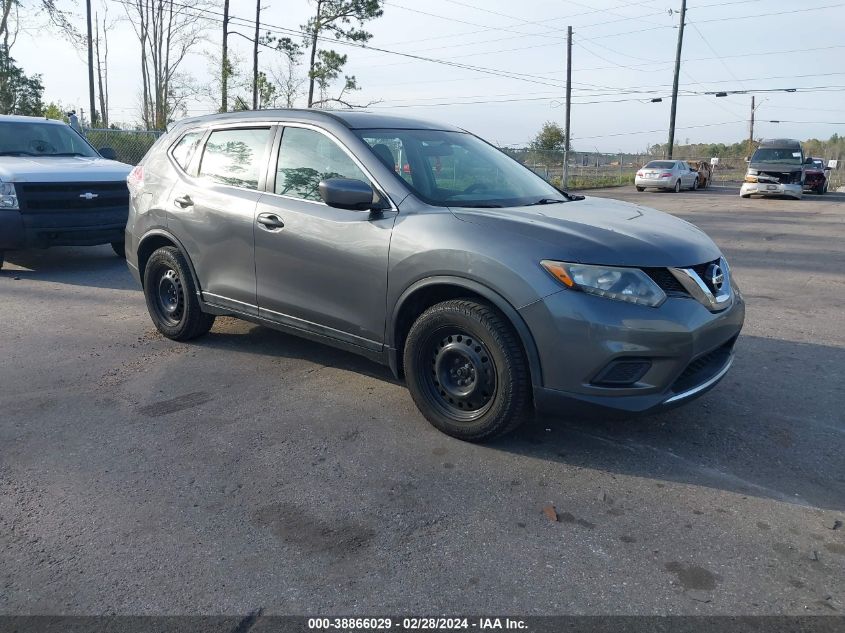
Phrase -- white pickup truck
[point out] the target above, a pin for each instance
(56, 189)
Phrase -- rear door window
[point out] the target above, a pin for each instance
(235, 157)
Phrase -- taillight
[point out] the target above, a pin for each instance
(666, 174)
(640, 174)
(135, 179)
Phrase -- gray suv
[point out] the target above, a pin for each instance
(422, 247)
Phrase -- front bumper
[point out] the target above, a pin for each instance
(770, 189)
(20, 230)
(689, 348)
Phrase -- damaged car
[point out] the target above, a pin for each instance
(777, 168)
(816, 176)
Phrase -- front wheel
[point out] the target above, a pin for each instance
(466, 370)
(172, 298)
(640, 189)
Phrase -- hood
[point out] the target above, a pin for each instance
(602, 231)
(775, 168)
(61, 169)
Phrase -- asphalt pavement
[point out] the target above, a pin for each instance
(251, 469)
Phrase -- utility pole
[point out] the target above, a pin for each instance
(91, 100)
(224, 78)
(568, 106)
(675, 82)
(751, 129)
(255, 56)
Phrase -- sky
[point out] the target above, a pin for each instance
(622, 57)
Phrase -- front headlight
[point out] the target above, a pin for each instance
(622, 284)
(8, 196)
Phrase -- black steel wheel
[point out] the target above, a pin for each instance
(462, 380)
(466, 370)
(171, 296)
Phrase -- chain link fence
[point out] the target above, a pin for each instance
(589, 170)
(129, 145)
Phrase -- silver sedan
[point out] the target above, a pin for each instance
(673, 175)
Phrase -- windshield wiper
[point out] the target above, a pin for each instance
(17, 153)
(546, 201)
(66, 154)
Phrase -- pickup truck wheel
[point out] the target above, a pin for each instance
(119, 249)
(466, 370)
(172, 298)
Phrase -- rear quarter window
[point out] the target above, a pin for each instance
(185, 148)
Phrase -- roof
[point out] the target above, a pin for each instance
(353, 119)
(780, 142)
(29, 119)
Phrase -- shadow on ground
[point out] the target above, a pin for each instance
(773, 428)
(93, 266)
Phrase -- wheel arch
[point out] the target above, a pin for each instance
(427, 292)
(159, 238)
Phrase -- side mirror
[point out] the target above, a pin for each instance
(347, 193)
(108, 153)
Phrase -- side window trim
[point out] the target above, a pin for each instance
(274, 160)
(262, 173)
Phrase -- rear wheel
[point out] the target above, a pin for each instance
(466, 370)
(677, 188)
(119, 249)
(172, 298)
(640, 189)
(695, 185)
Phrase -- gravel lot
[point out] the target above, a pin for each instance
(254, 470)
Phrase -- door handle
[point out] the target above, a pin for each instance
(184, 201)
(270, 221)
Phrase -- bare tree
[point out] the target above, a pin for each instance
(103, 62)
(167, 31)
(10, 17)
(289, 81)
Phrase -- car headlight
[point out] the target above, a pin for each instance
(622, 284)
(8, 196)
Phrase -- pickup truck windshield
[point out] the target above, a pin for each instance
(456, 169)
(41, 139)
(786, 156)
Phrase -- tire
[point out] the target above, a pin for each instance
(172, 298)
(745, 195)
(640, 189)
(677, 188)
(695, 185)
(2, 258)
(119, 249)
(459, 336)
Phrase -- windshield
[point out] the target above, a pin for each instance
(777, 155)
(660, 164)
(41, 139)
(456, 169)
